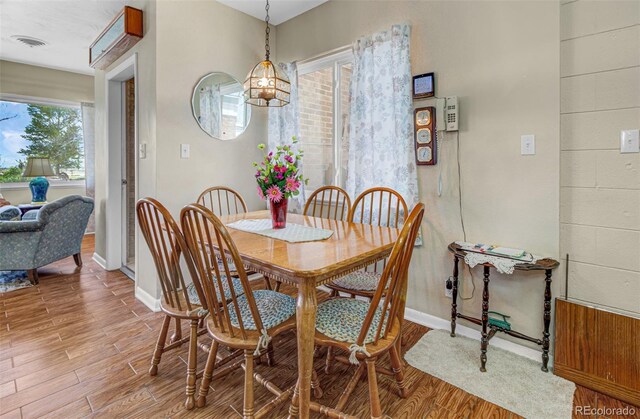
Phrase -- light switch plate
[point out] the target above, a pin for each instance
(528, 145)
(142, 152)
(184, 151)
(630, 141)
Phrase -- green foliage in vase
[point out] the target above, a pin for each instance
(278, 175)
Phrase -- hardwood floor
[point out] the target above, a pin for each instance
(79, 344)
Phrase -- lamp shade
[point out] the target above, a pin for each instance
(38, 166)
(267, 85)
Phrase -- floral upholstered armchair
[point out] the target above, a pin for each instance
(54, 234)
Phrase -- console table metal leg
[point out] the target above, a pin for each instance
(484, 342)
(454, 292)
(547, 320)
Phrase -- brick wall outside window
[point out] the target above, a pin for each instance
(316, 123)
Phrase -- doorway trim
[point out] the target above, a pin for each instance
(114, 127)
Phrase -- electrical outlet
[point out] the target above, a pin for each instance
(448, 288)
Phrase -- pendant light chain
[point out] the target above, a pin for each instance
(266, 85)
(267, 30)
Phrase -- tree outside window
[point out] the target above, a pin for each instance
(35, 130)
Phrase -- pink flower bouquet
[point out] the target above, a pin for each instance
(279, 179)
(277, 175)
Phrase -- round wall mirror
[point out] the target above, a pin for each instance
(218, 106)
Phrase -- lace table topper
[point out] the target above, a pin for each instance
(292, 233)
(503, 265)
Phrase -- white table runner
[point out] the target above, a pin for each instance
(503, 264)
(292, 233)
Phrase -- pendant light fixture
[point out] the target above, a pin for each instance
(267, 85)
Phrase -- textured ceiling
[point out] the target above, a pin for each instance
(68, 27)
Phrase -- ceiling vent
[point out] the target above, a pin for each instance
(29, 41)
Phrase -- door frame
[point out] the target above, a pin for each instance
(114, 115)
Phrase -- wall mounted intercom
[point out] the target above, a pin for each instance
(451, 113)
(447, 111)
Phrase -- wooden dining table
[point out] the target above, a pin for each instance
(306, 266)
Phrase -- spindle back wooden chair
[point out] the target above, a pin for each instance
(368, 330)
(379, 207)
(180, 301)
(222, 201)
(329, 202)
(249, 321)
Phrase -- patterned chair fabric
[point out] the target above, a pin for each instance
(237, 287)
(359, 280)
(274, 308)
(9, 213)
(56, 233)
(31, 215)
(342, 319)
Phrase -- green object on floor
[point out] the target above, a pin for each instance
(495, 321)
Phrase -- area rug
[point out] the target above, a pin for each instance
(511, 381)
(13, 280)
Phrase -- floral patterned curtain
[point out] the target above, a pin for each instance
(380, 123)
(284, 123)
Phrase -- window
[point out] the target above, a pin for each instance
(234, 111)
(48, 129)
(323, 93)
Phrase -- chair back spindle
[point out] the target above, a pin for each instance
(222, 201)
(379, 206)
(329, 202)
(167, 245)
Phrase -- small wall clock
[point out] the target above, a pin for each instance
(425, 135)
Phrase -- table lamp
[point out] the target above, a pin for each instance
(38, 168)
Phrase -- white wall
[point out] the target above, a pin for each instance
(183, 41)
(600, 187)
(502, 60)
(222, 39)
(146, 90)
(31, 80)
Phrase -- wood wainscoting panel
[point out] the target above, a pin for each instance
(598, 349)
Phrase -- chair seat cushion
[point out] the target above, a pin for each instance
(274, 308)
(342, 319)
(359, 280)
(237, 287)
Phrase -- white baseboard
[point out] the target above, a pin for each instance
(100, 261)
(147, 299)
(434, 322)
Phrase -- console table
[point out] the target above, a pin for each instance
(489, 330)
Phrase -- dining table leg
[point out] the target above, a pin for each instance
(306, 308)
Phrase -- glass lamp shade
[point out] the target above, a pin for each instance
(267, 85)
